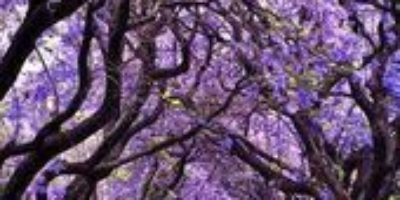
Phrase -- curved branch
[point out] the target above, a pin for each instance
(78, 99)
(24, 40)
(54, 144)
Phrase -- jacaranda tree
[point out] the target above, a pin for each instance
(199, 99)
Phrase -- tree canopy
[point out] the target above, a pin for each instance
(199, 99)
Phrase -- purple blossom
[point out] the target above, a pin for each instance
(218, 132)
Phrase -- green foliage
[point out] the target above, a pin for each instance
(394, 197)
(121, 174)
(171, 100)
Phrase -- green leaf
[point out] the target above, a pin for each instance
(340, 172)
(121, 174)
(172, 101)
(394, 197)
(3, 108)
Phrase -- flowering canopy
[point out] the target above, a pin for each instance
(199, 99)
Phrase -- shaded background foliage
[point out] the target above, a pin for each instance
(217, 99)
